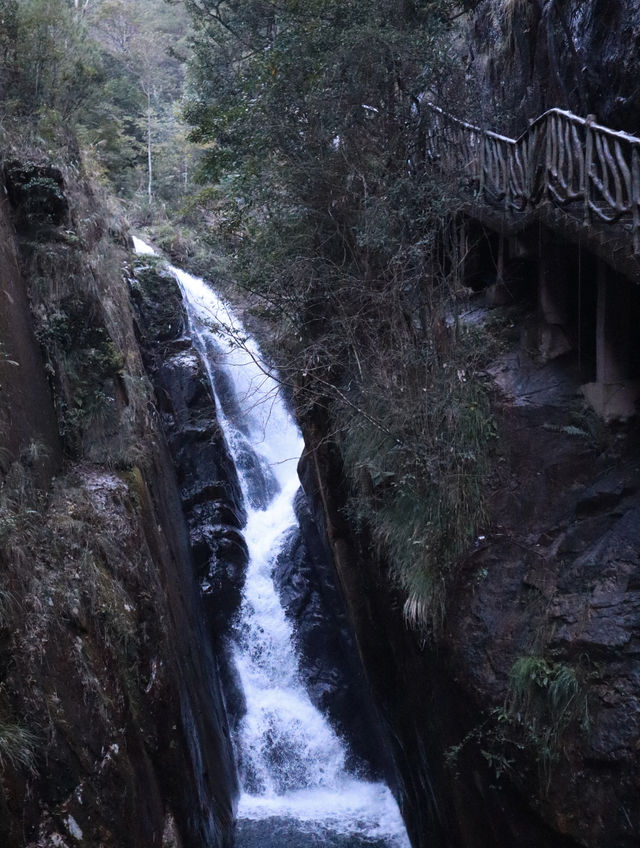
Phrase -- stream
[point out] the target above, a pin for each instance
(296, 790)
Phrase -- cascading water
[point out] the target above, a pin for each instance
(296, 791)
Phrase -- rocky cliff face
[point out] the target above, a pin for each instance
(425, 711)
(329, 664)
(210, 491)
(30, 416)
(547, 618)
(518, 724)
(112, 725)
(574, 55)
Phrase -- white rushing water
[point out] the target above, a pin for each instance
(292, 764)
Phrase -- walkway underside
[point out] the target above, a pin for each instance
(610, 242)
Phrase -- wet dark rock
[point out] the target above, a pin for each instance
(209, 540)
(204, 466)
(305, 579)
(603, 495)
(220, 555)
(235, 700)
(210, 489)
(156, 295)
(579, 55)
(262, 485)
(276, 832)
(226, 393)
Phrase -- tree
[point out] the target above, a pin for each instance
(48, 65)
(127, 31)
(311, 113)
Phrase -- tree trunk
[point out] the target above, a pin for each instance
(149, 164)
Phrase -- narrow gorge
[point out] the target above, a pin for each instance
(320, 494)
(295, 785)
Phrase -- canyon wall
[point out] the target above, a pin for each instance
(531, 56)
(517, 722)
(113, 729)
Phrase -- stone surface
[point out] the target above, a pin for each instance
(209, 485)
(27, 412)
(561, 581)
(306, 581)
(613, 401)
(555, 575)
(578, 54)
(108, 681)
(425, 709)
(210, 491)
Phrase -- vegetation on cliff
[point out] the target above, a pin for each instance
(311, 113)
(97, 82)
(101, 702)
(307, 117)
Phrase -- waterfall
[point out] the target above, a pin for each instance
(296, 790)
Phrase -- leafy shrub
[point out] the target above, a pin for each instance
(76, 339)
(36, 191)
(544, 699)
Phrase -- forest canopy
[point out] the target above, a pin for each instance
(101, 78)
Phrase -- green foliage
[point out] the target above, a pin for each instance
(36, 193)
(138, 139)
(17, 746)
(496, 746)
(191, 245)
(544, 699)
(17, 499)
(315, 154)
(539, 686)
(583, 425)
(106, 74)
(425, 457)
(48, 67)
(72, 334)
(7, 526)
(7, 601)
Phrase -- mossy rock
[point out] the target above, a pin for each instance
(36, 192)
(158, 300)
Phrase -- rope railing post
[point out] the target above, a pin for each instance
(547, 160)
(508, 187)
(563, 160)
(635, 197)
(483, 144)
(588, 166)
(531, 167)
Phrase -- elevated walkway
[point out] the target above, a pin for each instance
(576, 176)
(580, 181)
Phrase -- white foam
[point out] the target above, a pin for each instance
(289, 753)
(141, 247)
(352, 807)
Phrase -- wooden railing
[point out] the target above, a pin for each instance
(590, 170)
